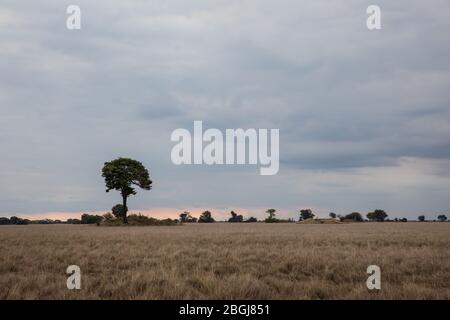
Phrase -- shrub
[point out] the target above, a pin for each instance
(185, 217)
(90, 219)
(73, 221)
(118, 211)
(18, 221)
(137, 220)
(206, 217)
(306, 214)
(354, 216)
(377, 215)
(235, 217)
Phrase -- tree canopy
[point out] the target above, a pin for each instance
(306, 214)
(124, 174)
(377, 215)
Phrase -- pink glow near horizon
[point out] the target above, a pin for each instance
(159, 213)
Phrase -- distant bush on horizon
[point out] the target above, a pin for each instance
(206, 217)
(137, 220)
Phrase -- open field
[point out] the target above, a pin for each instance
(226, 261)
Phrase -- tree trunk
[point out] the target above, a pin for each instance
(125, 209)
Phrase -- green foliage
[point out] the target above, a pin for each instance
(73, 221)
(18, 221)
(206, 217)
(421, 218)
(271, 213)
(251, 219)
(235, 217)
(185, 217)
(46, 221)
(118, 211)
(4, 221)
(442, 218)
(377, 215)
(271, 218)
(306, 214)
(123, 174)
(141, 220)
(136, 220)
(91, 219)
(355, 216)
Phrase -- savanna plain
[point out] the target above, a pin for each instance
(226, 261)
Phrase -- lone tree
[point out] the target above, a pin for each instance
(271, 213)
(306, 214)
(442, 218)
(333, 215)
(123, 174)
(377, 215)
(271, 218)
(421, 218)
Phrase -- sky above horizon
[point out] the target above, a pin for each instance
(364, 116)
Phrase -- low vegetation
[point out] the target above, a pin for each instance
(226, 261)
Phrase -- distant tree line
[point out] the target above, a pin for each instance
(117, 212)
(86, 218)
(441, 218)
(377, 215)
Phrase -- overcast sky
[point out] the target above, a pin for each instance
(364, 116)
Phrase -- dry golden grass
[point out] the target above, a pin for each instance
(226, 261)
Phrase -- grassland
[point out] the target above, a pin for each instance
(226, 261)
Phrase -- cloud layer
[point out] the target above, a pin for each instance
(364, 116)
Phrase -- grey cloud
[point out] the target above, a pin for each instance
(345, 99)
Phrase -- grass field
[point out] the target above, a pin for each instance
(226, 261)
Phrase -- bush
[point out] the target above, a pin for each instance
(118, 211)
(185, 217)
(206, 217)
(251, 219)
(73, 221)
(141, 220)
(235, 217)
(354, 216)
(306, 214)
(91, 219)
(377, 215)
(18, 221)
(136, 220)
